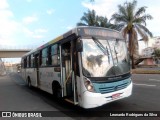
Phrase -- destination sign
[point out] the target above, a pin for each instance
(101, 32)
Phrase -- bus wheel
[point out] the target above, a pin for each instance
(56, 90)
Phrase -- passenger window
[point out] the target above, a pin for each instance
(54, 49)
(44, 57)
(28, 61)
(32, 60)
(54, 55)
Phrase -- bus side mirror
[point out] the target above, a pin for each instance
(79, 45)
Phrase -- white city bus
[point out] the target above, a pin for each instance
(87, 66)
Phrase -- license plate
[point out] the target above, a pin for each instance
(115, 96)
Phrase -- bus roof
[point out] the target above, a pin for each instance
(81, 31)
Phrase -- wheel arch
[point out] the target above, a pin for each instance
(56, 88)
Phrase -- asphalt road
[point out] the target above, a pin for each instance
(16, 96)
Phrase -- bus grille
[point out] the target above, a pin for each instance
(113, 88)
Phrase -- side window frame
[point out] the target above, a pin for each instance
(32, 60)
(44, 57)
(28, 61)
(55, 55)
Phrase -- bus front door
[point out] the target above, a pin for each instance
(67, 74)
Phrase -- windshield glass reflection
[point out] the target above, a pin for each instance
(103, 58)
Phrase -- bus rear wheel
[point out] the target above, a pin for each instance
(56, 91)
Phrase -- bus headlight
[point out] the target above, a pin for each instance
(88, 85)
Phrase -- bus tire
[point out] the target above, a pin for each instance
(56, 90)
(29, 82)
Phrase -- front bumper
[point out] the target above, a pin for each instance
(92, 100)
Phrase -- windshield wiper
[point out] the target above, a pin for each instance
(102, 48)
(116, 54)
(116, 50)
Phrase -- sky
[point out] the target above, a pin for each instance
(35, 22)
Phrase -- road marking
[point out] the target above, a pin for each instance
(145, 85)
(154, 80)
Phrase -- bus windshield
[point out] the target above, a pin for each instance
(104, 58)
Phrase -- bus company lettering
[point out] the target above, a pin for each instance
(34, 115)
(14, 114)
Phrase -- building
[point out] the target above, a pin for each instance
(156, 44)
(2, 68)
(147, 53)
(11, 67)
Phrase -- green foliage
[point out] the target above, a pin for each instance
(91, 19)
(157, 52)
(132, 21)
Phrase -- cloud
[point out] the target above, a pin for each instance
(8, 26)
(103, 7)
(50, 11)
(10, 30)
(152, 24)
(38, 36)
(4, 4)
(37, 33)
(41, 30)
(109, 7)
(28, 32)
(5, 14)
(30, 19)
(6, 42)
(69, 27)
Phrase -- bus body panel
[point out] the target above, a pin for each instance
(46, 77)
(31, 75)
(79, 88)
(23, 73)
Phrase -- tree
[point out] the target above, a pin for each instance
(131, 22)
(103, 22)
(91, 19)
(156, 55)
